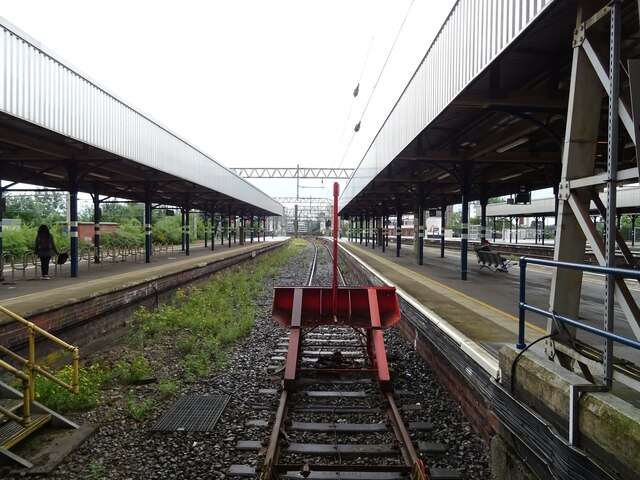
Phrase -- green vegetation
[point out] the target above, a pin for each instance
(137, 408)
(96, 468)
(206, 320)
(92, 377)
(35, 208)
(168, 388)
(17, 241)
(133, 371)
(201, 322)
(49, 208)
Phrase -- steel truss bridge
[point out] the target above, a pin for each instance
(298, 172)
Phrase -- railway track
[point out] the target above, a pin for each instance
(338, 415)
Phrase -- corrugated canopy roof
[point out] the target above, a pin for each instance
(489, 104)
(57, 125)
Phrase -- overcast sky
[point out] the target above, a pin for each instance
(252, 83)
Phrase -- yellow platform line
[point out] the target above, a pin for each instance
(408, 272)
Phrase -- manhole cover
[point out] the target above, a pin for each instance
(193, 413)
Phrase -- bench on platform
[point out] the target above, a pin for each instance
(493, 261)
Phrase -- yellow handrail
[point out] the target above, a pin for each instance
(25, 420)
(32, 368)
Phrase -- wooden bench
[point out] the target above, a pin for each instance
(493, 261)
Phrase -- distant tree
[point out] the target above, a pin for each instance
(119, 212)
(314, 227)
(455, 222)
(85, 214)
(130, 216)
(34, 209)
(114, 212)
(167, 229)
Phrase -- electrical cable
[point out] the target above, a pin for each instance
(355, 94)
(386, 60)
(515, 360)
(346, 121)
(374, 86)
(559, 326)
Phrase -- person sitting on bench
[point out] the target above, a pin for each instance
(490, 259)
(485, 245)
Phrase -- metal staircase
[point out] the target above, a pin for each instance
(20, 416)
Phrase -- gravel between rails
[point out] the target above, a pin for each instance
(125, 449)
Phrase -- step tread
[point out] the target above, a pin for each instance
(12, 432)
(11, 404)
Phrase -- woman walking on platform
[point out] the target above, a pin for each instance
(45, 249)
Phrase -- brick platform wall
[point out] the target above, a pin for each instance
(82, 322)
(470, 401)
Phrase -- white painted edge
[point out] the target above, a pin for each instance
(485, 360)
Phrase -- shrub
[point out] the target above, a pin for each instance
(168, 388)
(57, 398)
(137, 408)
(133, 371)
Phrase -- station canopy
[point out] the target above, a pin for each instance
(59, 129)
(487, 108)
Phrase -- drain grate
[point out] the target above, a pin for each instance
(193, 413)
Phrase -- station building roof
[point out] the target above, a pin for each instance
(627, 202)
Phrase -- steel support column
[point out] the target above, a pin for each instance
(222, 228)
(373, 231)
(235, 229)
(147, 223)
(493, 229)
(443, 224)
(464, 234)
(96, 222)
(578, 161)
(366, 231)
(205, 222)
(72, 170)
(187, 232)
(385, 232)
(483, 214)
(612, 184)
(182, 227)
(398, 231)
(420, 234)
(213, 228)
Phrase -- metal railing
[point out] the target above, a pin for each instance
(31, 368)
(524, 307)
(114, 254)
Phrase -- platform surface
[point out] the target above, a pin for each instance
(485, 306)
(29, 292)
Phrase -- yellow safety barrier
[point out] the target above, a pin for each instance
(31, 368)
